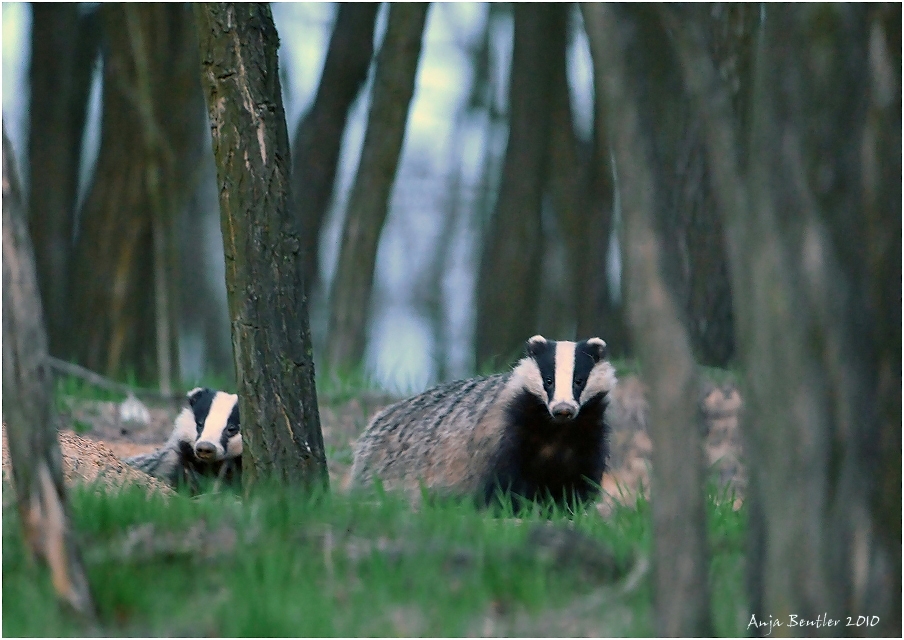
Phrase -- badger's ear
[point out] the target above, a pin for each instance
(194, 394)
(597, 348)
(536, 345)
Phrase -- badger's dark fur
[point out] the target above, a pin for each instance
(537, 432)
(205, 442)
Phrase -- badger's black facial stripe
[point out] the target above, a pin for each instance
(195, 394)
(545, 357)
(585, 358)
(232, 425)
(594, 347)
(200, 404)
(537, 345)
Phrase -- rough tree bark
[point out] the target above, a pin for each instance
(31, 434)
(368, 203)
(680, 556)
(818, 304)
(264, 265)
(63, 49)
(125, 248)
(509, 273)
(318, 139)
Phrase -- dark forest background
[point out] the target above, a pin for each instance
(480, 230)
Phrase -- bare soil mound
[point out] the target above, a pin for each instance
(91, 462)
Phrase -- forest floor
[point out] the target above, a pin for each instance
(276, 564)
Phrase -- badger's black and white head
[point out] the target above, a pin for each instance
(210, 425)
(565, 375)
(554, 433)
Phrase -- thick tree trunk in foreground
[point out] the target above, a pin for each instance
(681, 567)
(368, 203)
(816, 272)
(33, 447)
(509, 274)
(63, 49)
(264, 266)
(318, 139)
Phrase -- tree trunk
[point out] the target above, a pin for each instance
(568, 235)
(33, 448)
(264, 265)
(510, 265)
(318, 138)
(581, 190)
(693, 241)
(368, 202)
(124, 271)
(63, 49)
(603, 313)
(815, 272)
(681, 567)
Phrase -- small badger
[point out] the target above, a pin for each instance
(538, 432)
(205, 442)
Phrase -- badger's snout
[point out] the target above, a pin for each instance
(206, 450)
(562, 411)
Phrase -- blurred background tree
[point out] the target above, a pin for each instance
(124, 198)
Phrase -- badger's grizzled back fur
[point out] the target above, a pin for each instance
(205, 442)
(537, 432)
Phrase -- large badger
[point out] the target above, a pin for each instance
(205, 442)
(538, 432)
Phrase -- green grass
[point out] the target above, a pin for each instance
(279, 564)
(72, 387)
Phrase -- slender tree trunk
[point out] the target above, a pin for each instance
(318, 138)
(509, 274)
(124, 273)
(681, 584)
(63, 49)
(567, 237)
(582, 195)
(818, 333)
(33, 447)
(264, 264)
(603, 312)
(369, 200)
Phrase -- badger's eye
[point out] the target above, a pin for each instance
(232, 430)
(579, 382)
(200, 426)
(547, 381)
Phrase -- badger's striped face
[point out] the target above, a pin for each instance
(216, 417)
(565, 375)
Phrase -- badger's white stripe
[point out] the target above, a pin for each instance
(562, 391)
(526, 376)
(234, 446)
(216, 420)
(185, 430)
(601, 380)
